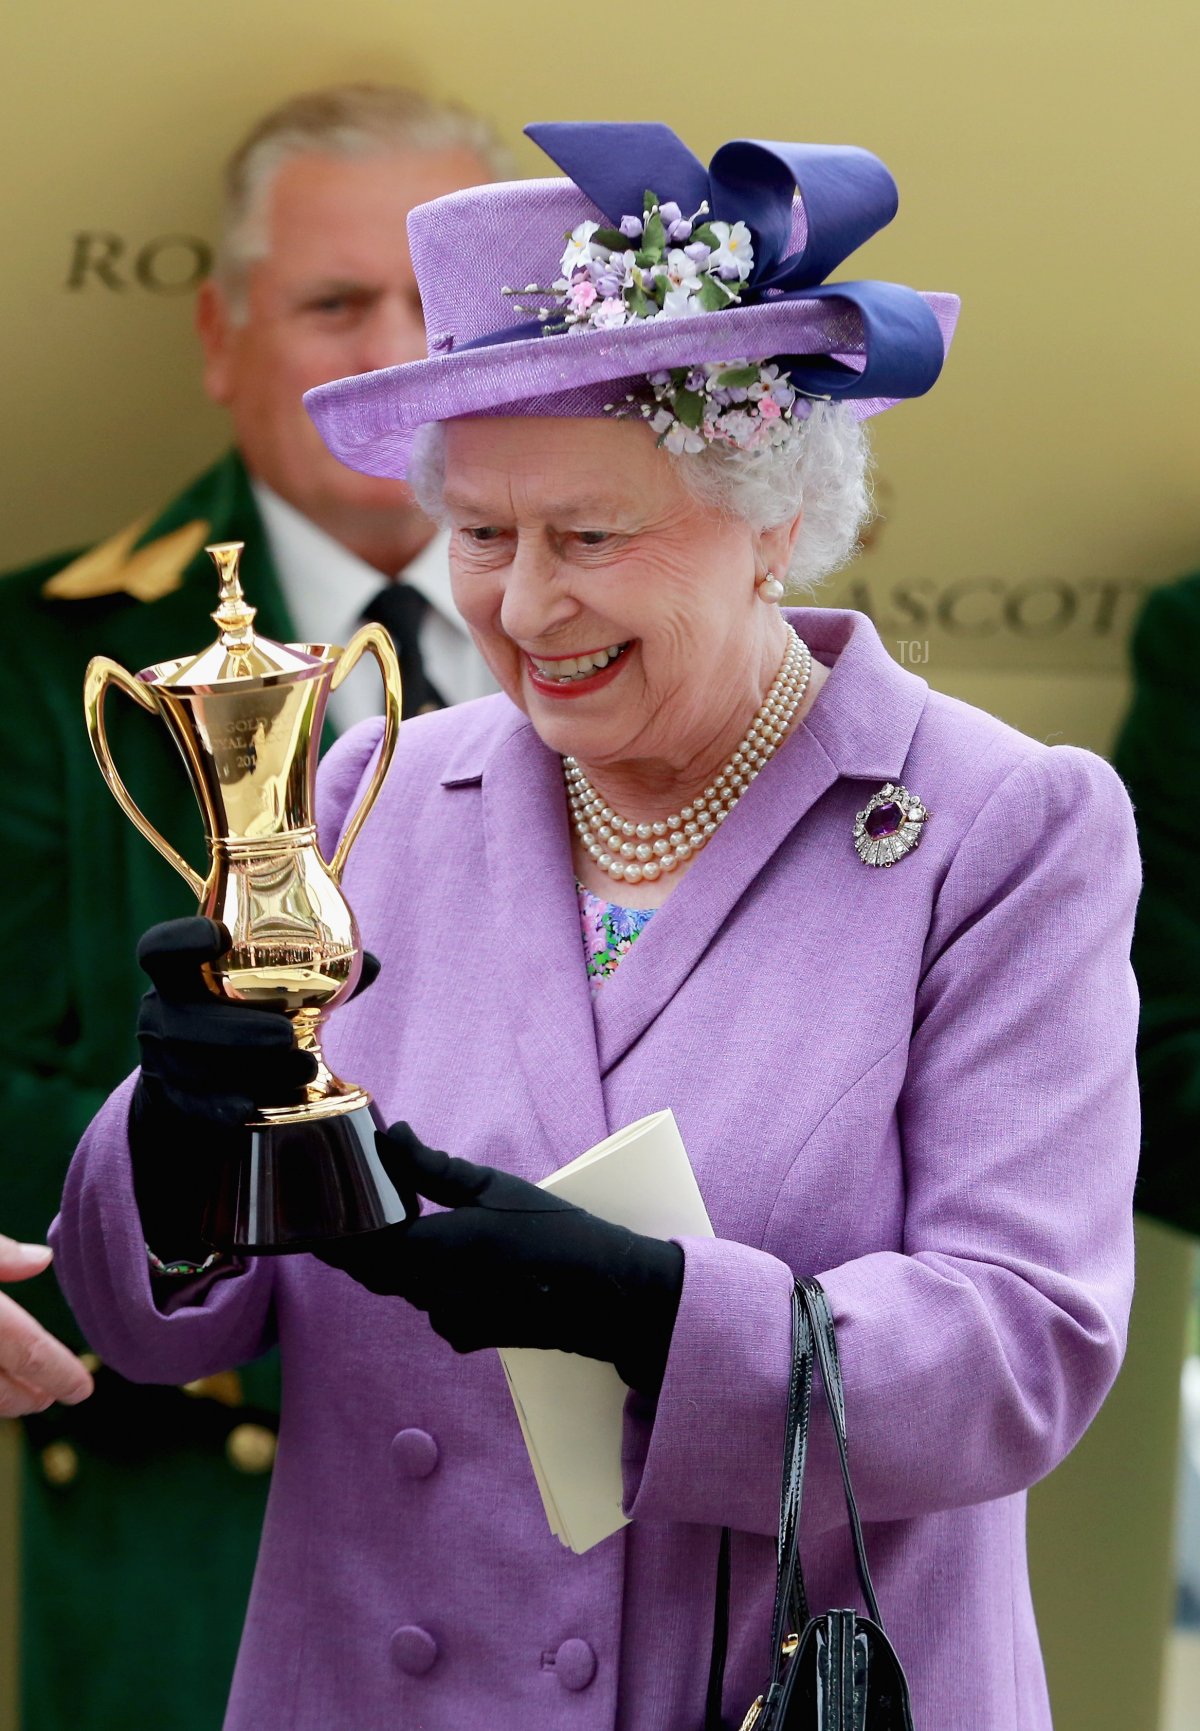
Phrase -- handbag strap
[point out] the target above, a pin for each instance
(813, 1339)
(815, 1300)
(791, 1598)
(720, 1640)
(791, 1602)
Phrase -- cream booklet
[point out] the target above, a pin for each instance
(571, 1408)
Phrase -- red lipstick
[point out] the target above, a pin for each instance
(574, 687)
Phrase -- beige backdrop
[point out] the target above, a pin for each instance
(1046, 152)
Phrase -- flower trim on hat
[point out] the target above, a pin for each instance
(746, 404)
(663, 264)
(657, 265)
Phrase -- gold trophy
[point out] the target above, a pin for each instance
(246, 715)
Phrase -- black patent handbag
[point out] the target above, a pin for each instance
(833, 1671)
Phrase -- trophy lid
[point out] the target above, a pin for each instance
(238, 653)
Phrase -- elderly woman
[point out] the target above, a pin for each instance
(916, 1082)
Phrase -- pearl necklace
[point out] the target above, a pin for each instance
(630, 851)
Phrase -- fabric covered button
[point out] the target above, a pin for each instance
(575, 1664)
(415, 1453)
(414, 1650)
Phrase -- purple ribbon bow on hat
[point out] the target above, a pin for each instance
(847, 196)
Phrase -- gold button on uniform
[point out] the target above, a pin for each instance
(60, 1463)
(225, 1387)
(250, 1448)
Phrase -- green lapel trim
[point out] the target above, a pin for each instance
(138, 633)
(224, 499)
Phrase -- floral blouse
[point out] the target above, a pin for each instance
(609, 931)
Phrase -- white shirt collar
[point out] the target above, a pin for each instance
(326, 587)
(305, 556)
(430, 573)
(324, 584)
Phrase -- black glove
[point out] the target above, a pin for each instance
(513, 1265)
(207, 1066)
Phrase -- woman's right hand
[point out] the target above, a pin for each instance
(207, 1067)
(204, 1058)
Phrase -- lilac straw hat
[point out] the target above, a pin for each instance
(655, 245)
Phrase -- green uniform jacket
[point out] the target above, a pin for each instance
(1158, 756)
(137, 1562)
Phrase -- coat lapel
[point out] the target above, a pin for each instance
(684, 927)
(861, 727)
(532, 882)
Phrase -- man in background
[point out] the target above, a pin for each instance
(141, 1508)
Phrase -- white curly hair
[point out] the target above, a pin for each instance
(824, 472)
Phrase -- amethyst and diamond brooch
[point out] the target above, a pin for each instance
(889, 825)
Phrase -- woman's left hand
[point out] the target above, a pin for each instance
(510, 1264)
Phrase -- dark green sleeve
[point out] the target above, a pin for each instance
(46, 1097)
(1159, 758)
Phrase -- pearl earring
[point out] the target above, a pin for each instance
(769, 588)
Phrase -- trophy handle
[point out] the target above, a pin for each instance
(373, 639)
(101, 673)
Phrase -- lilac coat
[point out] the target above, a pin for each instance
(916, 1082)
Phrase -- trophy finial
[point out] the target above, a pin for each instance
(234, 615)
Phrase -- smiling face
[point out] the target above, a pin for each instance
(575, 538)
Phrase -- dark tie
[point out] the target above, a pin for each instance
(399, 608)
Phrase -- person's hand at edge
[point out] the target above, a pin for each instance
(35, 1369)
